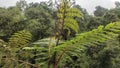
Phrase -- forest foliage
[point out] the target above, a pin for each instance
(59, 34)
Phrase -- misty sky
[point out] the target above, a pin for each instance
(88, 4)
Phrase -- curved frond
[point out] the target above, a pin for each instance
(97, 36)
(20, 39)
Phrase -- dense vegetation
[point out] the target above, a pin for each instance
(59, 34)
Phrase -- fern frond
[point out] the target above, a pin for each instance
(20, 39)
(78, 44)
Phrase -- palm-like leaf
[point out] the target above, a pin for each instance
(20, 39)
(75, 46)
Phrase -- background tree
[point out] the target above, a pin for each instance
(110, 17)
(22, 5)
(100, 11)
(39, 16)
(10, 22)
(117, 3)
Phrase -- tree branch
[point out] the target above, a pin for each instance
(35, 66)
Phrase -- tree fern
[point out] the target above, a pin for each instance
(76, 46)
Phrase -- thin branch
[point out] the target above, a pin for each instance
(35, 66)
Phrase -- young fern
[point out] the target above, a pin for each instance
(66, 15)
